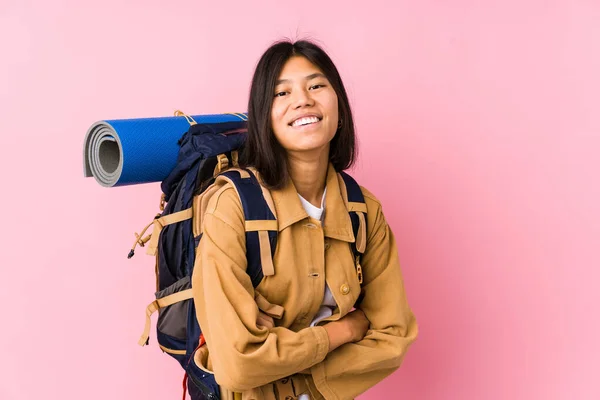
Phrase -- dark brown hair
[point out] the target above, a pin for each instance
(262, 150)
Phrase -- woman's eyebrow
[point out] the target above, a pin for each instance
(308, 78)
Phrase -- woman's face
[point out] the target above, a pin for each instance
(304, 115)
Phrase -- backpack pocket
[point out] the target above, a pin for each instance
(173, 315)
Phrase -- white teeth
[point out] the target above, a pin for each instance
(305, 121)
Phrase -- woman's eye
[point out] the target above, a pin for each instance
(280, 94)
(317, 86)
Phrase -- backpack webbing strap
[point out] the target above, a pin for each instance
(266, 254)
(260, 223)
(361, 233)
(162, 303)
(357, 209)
(163, 221)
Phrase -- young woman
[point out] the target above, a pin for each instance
(297, 334)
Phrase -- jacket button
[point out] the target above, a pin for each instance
(345, 289)
(327, 245)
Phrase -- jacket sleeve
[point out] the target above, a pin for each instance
(243, 355)
(355, 367)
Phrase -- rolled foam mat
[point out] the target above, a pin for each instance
(132, 151)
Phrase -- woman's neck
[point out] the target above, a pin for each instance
(309, 175)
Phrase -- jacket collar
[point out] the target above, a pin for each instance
(336, 222)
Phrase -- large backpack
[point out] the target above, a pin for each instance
(207, 160)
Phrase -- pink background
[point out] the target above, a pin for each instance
(479, 127)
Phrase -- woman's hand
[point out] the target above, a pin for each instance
(351, 328)
(357, 324)
(264, 321)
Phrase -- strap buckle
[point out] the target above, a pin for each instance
(222, 164)
(359, 273)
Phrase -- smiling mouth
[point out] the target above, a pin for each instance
(305, 121)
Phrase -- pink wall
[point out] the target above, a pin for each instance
(479, 125)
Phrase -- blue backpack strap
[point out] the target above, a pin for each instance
(357, 209)
(261, 224)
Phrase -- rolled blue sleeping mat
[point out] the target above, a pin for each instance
(132, 151)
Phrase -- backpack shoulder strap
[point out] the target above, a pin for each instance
(260, 222)
(357, 209)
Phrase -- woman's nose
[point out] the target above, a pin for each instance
(302, 98)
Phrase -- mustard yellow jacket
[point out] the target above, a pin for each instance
(271, 364)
